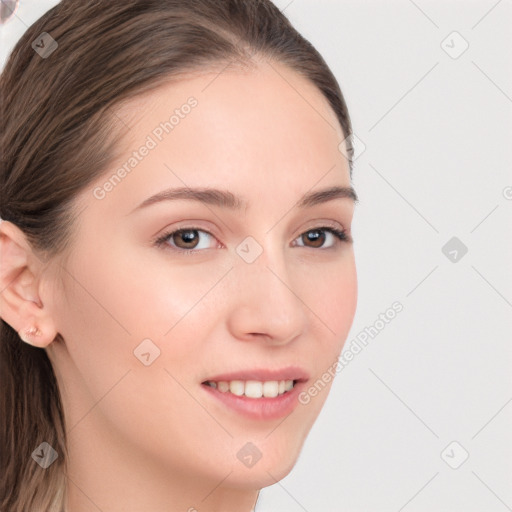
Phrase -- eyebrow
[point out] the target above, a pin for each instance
(226, 199)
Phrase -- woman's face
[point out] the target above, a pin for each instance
(262, 295)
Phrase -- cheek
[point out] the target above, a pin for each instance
(95, 329)
(332, 299)
(107, 314)
(110, 387)
(158, 291)
(344, 293)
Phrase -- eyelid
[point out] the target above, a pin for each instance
(185, 226)
(321, 223)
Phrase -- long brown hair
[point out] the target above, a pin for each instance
(59, 134)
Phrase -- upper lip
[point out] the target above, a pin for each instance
(263, 375)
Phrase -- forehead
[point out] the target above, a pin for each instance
(257, 131)
(267, 103)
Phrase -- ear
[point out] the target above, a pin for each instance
(20, 282)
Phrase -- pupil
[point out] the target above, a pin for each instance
(317, 237)
(188, 236)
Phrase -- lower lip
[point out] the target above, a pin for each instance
(259, 408)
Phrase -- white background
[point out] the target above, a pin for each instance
(436, 164)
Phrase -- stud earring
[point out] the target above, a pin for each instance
(27, 334)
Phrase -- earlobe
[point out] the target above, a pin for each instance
(20, 304)
(27, 335)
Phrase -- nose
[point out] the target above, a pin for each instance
(265, 304)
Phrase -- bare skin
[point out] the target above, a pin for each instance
(150, 437)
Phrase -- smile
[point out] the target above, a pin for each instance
(258, 394)
(253, 388)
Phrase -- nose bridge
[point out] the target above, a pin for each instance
(266, 302)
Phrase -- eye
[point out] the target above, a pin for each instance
(318, 236)
(186, 240)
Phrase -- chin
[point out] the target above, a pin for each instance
(276, 462)
(256, 479)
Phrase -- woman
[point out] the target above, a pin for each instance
(177, 272)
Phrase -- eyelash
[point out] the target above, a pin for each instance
(341, 235)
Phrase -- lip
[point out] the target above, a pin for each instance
(260, 408)
(264, 374)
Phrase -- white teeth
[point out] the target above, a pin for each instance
(270, 388)
(237, 387)
(254, 388)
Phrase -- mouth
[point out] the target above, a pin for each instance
(253, 388)
(258, 394)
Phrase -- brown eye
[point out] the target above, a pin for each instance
(185, 239)
(316, 237)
